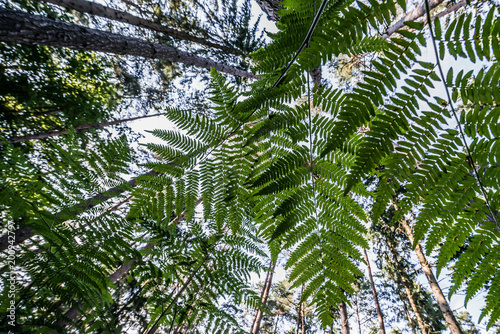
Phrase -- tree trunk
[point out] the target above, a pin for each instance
(263, 297)
(411, 16)
(448, 315)
(408, 316)
(120, 16)
(276, 325)
(270, 7)
(344, 319)
(413, 304)
(407, 287)
(297, 325)
(302, 311)
(375, 296)
(22, 28)
(24, 233)
(357, 314)
(44, 135)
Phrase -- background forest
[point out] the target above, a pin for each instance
(338, 174)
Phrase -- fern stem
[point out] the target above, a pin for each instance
(278, 81)
(450, 102)
(154, 328)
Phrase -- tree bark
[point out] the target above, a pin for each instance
(270, 7)
(410, 320)
(120, 16)
(77, 128)
(357, 315)
(407, 287)
(276, 325)
(22, 28)
(411, 16)
(302, 311)
(413, 304)
(24, 233)
(344, 319)
(448, 315)
(375, 296)
(263, 297)
(419, 12)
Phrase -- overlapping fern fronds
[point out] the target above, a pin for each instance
(69, 257)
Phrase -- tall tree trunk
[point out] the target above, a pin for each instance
(185, 284)
(24, 233)
(407, 287)
(344, 319)
(413, 304)
(375, 296)
(79, 127)
(408, 316)
(120, 16)
(263, 297)
(297, 325)
(276, 325)
(303, 311)
(22, 28)
(358, 319)
(448, 315)
(411, 16)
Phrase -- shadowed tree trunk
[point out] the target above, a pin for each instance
(263, 297)
(276, 325)
(358, 319)
(302, 311)
(407, 285)
(22, 28)
(444, 306)
(413, 304)
(375, 296)
(344, 319)
(120, 16)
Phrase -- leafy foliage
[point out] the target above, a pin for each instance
(282, 166)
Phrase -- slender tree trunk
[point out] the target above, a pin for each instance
(407, 287)
(375, 296)
(185, 284)
(297, 325)
(448, 315)
(344, 319)
(411, 16)
(22, 28)
(276, 325)
(120, 16)
(303, 312)
(263, 297)
(357, 314)
(44, 135)
(413, 304)
(24, 233)
(408, 316)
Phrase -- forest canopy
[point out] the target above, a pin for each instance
(350, 159)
